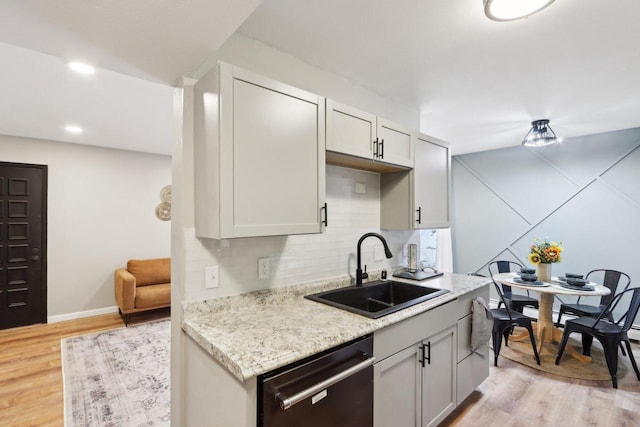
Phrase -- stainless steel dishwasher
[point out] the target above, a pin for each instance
(334, 388)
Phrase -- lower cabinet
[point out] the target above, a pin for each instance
(425, 365)
(397, 389)
(417, 386)
(439, 377)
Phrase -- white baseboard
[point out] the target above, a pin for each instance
(81, 314)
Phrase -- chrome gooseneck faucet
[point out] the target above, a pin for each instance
(387, 252)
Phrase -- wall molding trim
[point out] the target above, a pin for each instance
(583, 192)
(82, 314)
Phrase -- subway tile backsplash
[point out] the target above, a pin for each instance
(301, 258)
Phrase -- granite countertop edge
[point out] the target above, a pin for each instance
(256, 332)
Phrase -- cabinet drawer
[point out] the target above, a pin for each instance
(464, 337)
(464, 301)
(472, 371)
(401, 335)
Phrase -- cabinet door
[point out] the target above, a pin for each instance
(273, 169)
(349, 130)
(397, 389)
(431, 177)
(439, 377)
(395, 143)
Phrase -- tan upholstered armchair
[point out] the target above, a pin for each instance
(143, 285)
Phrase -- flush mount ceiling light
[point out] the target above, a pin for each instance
(540, 134)
(510, 10)
(82, 68)
(73, 129)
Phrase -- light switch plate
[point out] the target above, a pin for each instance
(211, 277)
(361, 188)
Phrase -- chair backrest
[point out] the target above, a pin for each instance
(496, 267)
(613, 280)
(500, 294)
(632, 310)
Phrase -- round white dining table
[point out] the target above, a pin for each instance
(547, 334)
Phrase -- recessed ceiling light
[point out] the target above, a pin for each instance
(73, 129)
(510, 10)
(82, 68)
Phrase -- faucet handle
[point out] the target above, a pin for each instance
(365, 275)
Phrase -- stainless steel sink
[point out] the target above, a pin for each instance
(377, 299)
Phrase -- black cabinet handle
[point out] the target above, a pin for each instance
(421, 360)
(375, 148)
(428, 357)
(419, 220)
(382, 148)
(326, 215)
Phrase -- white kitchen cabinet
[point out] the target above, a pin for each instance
(259, 156)
(439, 377)
(397, 384)
(416, 384)
(357, 133)
(420, 198)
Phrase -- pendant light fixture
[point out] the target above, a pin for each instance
(540, 134)
(510, 10)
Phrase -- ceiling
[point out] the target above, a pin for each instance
(476, 83)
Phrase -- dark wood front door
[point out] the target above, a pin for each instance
(23, 222)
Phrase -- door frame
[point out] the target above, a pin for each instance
(43, 227)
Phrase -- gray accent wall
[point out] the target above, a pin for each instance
(584, 191)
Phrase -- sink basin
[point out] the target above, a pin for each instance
(377, 299)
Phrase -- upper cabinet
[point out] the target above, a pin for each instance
(259, 156)
(431, 180)
(357, 133)
(420, 198)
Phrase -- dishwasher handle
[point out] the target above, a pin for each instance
(288, 402)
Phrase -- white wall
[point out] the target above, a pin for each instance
(101, 212)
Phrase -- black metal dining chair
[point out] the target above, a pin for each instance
(504, 319)
(514, 301)
(610, 333)
(613, 280)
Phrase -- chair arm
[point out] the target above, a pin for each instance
(125, 289)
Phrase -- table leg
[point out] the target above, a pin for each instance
(546, 333)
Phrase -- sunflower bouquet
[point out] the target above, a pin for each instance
(545, 252)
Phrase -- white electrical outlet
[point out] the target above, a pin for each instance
(264, 268)
(211, 277)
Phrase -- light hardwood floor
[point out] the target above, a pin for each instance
(30, 367)
(513, 395)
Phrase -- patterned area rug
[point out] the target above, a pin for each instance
(569, 367)
(118, 377)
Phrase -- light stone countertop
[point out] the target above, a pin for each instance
(253, 333)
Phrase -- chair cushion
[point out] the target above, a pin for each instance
(150, 296)
(150, 271)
